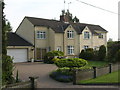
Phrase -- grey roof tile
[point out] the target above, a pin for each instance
(15, 40)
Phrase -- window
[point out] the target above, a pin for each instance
(41, 35)
(100, 35)
(70, 50)
(86, 35)
(70, 34)
(85, 46)
(59, 48)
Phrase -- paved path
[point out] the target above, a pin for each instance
(42, 71)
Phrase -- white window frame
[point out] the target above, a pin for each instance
(70, 34)
(86, 46)
(58, 48)
(41, 35)
(86, 35)
(70, 50)
(100, 36)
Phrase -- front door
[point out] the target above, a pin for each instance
(40, 53)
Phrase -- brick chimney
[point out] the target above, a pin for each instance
(64, 18)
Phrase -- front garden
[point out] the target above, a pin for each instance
(87, 60)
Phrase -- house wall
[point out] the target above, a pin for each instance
(93, 41)
(100, 41)
(49, 41)
(30, 51)
(26, 31)
(73, 42)
(59, 41)
(87, 42)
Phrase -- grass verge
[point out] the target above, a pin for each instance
(97, 63)
(106, 79)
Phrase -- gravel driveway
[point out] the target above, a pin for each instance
(42, 71)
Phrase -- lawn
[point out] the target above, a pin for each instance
(108, 78)
(97, 63)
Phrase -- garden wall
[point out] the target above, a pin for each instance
(32, 83)
(93, 73)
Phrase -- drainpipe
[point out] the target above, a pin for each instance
(34, 45)
(63, 41)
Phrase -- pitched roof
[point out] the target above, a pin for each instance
(59, 27)
(15, 40)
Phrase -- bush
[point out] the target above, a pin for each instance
(55, 59)
(50, 55)
(102, 53)
(87, 54)
(117, 56)
(71, 62)
(7, 70)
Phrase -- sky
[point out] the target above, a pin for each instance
(16, 10)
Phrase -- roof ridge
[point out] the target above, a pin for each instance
(90, 24)
(42, 18)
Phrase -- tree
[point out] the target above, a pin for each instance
(75, 19)
(7, 63)
(112, 48)
(102, 53)
(117, 56)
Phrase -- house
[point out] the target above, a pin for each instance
(18, 48)
(47, 35)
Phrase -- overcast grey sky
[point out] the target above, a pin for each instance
(16, 10)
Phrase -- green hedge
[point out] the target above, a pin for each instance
(71, 62)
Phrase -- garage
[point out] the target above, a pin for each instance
(19, 48)
(19, 55)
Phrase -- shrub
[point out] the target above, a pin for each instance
(87, 54)
(117, 56)
(55, 59)
(7, 70)
(102, 53)
(50, 55)
(71, 62)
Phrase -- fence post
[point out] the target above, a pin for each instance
(110, 67)
(74, 76)
(94, 75)
(33, 82)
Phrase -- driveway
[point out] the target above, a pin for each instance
(42, 71)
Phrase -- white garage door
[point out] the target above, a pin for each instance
(19, 55)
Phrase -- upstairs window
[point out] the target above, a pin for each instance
(86, 35)
(70, 50)
(70, 34)
(100, 35)
(41, 35)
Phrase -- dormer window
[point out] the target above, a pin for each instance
(41, 34)
(70, 34)
(86, 35)
(100, 35)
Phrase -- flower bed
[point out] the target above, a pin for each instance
(62, 75)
